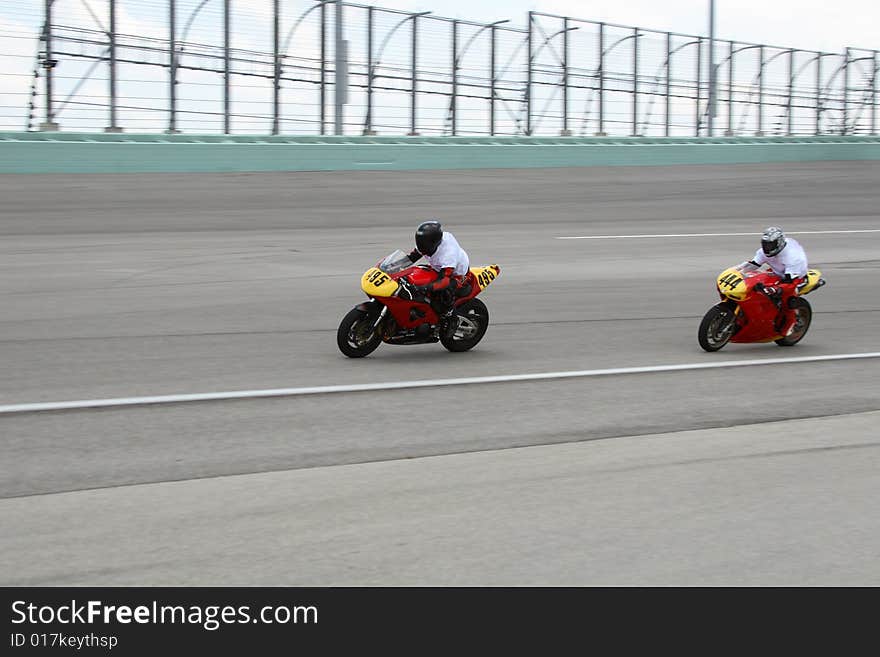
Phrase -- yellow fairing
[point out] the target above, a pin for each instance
(812, 282)
(485, 275)
(732, 284)
(376, 283)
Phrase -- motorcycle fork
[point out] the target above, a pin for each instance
(380, 317)
(733, 305)
(737, 314)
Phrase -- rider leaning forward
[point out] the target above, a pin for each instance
(788, 260)
(445, 256)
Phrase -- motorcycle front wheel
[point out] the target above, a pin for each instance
(356, 337)
(473, 320)
(717, 327)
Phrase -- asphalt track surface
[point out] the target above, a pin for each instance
(121, 286)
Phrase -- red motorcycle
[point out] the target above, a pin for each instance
(757, 307)
(389, 318)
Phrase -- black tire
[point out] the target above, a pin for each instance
(804, 315)
(472, 329)
(717, 327)
(352, 336)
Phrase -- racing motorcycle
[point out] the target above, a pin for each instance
(756, 307)
(394, 319)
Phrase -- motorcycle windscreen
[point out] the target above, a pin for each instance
(395, 262)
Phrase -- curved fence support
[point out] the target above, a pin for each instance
(439, 76)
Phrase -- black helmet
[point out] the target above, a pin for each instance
(428, 236)
(772, 241)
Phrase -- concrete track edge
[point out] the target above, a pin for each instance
(405, 531)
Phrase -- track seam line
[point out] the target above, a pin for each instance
(417, 457)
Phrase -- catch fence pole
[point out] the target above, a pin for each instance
(414, 92)
(492, 82)
(730, 91)
(790, 91)
(601, 131)
(565, 131)
(760, 131)
(276, 74)
(172, 68)
(635, 107)
(227, 128)
(843, 126)
(112, 127)
(668, 97)
(699, 84)
(48, 64)
(454, 75)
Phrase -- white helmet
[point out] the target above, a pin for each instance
(772, 241)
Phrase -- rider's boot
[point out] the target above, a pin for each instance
(448, 324)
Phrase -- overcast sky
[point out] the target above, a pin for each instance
(828, 25)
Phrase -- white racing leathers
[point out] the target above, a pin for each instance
(449, 254)
(792, 260)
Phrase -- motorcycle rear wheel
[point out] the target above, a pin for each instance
(356, 337)
(803, 317)
(717, 327)
(473, 320)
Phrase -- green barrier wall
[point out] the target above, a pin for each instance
(34, 152)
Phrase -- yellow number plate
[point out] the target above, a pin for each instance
(731, 284)
(485, 275)
(377, 283)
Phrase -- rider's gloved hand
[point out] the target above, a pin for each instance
(405, 291)
(410, 292)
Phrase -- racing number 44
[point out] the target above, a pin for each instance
(730, 281)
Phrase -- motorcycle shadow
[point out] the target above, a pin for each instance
(764, 348)
(422, 354)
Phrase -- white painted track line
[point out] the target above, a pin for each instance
(398, 385)
(752, 233)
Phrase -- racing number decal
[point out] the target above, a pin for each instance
(730, 281)
(378, 278)
(377, 283)
(486, 277)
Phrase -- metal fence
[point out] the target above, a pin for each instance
(205, 66)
